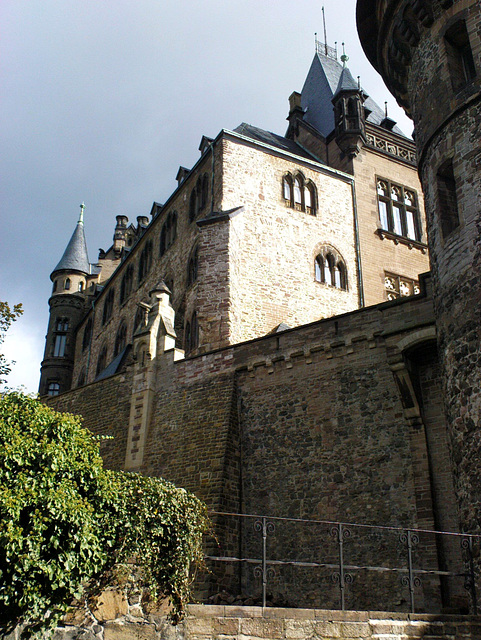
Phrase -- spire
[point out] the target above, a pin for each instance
(346, 81)
(75, 257)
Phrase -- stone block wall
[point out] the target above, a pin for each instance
(321, 422)
(272, 247)
(237, 623)
(380, 255)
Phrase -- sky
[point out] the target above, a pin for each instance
(103, 100)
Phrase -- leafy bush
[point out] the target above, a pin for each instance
(66, 523)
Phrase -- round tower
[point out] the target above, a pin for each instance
(429, 54)
(67, 306)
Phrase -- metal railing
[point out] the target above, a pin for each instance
(415, 557)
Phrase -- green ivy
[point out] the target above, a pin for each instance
(66, 524)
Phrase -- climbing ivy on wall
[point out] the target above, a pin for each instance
(67, 524)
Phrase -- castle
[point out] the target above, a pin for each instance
(266, 341)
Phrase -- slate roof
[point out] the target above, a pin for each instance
(273, 140)
(321, 83)
(75, 257)
(346, 82)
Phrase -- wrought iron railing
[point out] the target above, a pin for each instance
(421, 563)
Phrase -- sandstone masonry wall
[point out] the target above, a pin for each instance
(237, 623)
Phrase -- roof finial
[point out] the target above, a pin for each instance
(344, 57)
(325, 32)
(385, 109)
(81, 217)
(359, 82)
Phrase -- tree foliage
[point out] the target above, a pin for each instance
(66, 523)
(7, 316)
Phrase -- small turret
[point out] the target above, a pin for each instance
(66, 310)
(349, 115)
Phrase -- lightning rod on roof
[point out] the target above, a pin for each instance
(325, 32)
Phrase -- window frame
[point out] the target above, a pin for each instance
(399, 227)
(294, 188)
(330, 269)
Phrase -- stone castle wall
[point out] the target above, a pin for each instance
(319, 422)
(272, 281)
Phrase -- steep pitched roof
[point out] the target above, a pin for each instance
(273, 140)
(75, 257)
(321, 84)
(346, 82)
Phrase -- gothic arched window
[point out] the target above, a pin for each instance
(108, 306)
(120, 339)
(81, 378)
(298, 193)
(330, 269)
(102, 360)
(87, 334)
(168, 233)
(139, 318)
(191, 339)
(67, 284)
(145, 261)
(126, 284)
(193, 267)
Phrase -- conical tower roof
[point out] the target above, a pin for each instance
(346, 82)
(75, 257)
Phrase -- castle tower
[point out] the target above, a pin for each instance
(67, 305)
(429, 54)
(349, 118)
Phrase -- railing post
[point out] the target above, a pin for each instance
(340, 532)
(410, 539)
(264, 527)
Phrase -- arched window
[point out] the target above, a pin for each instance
(298, 193)
(330, 269)
(54, 288)
(191, 339)
(192, 205)
(53, 389)
(163, 243)
(168, 233)
(81, 286)
(198, 196)
(81, 378)
(139, 318)
(193, 267)
(310, 198)
(120, 339)
(67, 284)
(205, 190)
(87, 334)
(126, 284)
(145, 261)
(108, 306)
(287, 190)
(102, 360)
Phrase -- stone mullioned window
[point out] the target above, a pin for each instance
(330, 269)
(398, 210)
(299, 193)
